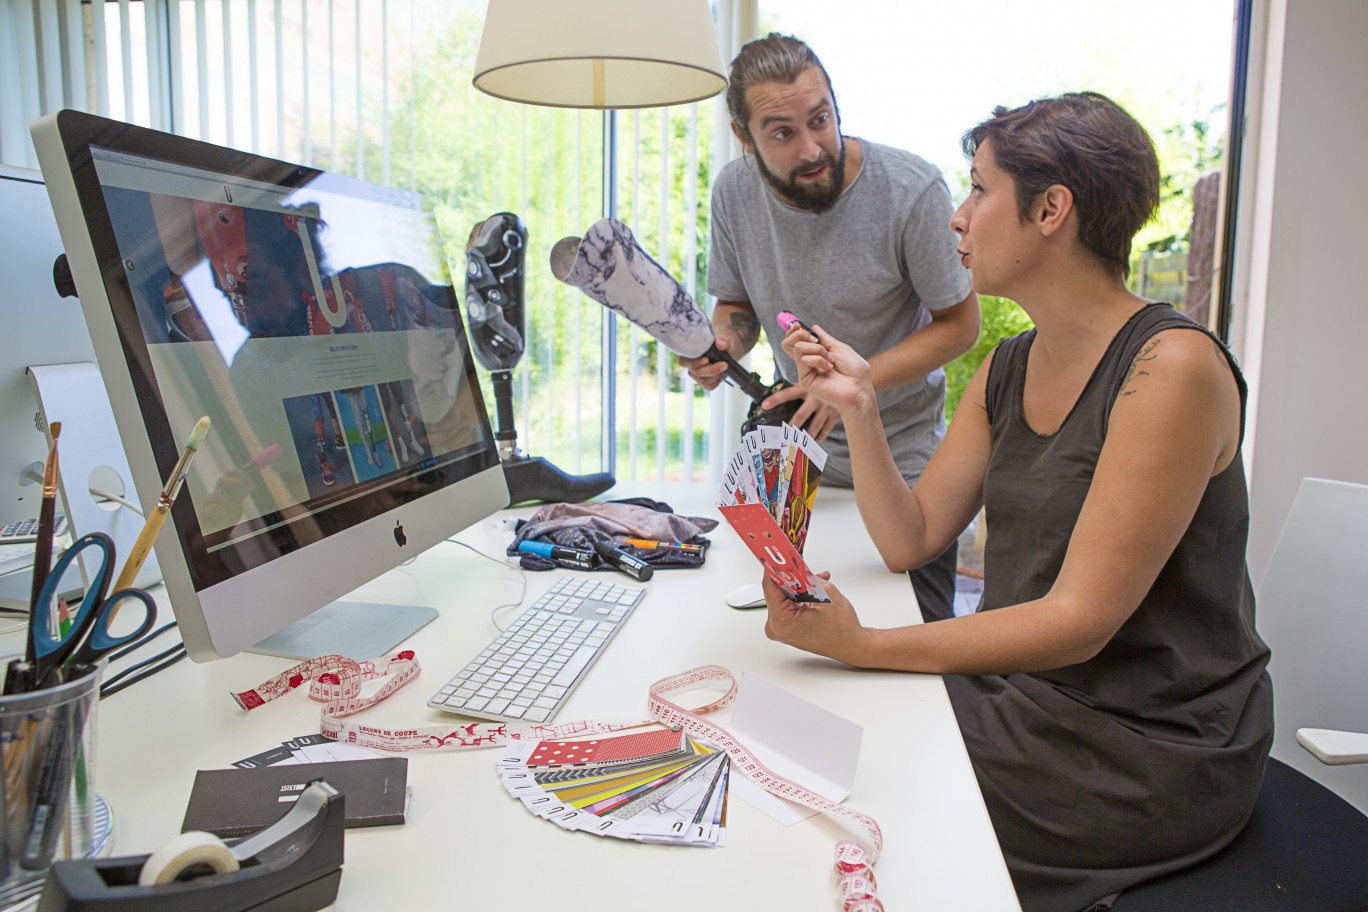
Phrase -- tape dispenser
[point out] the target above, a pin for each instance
(293, 865)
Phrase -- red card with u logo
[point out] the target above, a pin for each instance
(771, 547)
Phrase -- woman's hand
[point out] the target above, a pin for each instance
(829, 369)
(828, 629)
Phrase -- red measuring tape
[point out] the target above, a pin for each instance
(336, 682)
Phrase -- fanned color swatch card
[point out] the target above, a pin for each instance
(767, 495)
(656, 786)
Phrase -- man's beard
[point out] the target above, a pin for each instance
(818, 197)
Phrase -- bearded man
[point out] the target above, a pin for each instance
(849, 235)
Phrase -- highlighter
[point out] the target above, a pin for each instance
(787, 321)
(566, 557)
(629, 564)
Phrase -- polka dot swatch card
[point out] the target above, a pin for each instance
(623, 749)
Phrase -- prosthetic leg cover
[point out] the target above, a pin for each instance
(609, 266)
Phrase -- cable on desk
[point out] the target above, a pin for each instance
(113, 685)
(143, 642)
(176, 653)
(522, 574)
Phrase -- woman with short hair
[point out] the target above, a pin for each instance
(1111, 687)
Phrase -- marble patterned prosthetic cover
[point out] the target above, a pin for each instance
(609, 266)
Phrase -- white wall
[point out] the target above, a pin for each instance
(1302, 270)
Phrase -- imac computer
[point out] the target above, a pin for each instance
(42, 327)
(48, 373)
(311, 318)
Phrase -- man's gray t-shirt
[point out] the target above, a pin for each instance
(867, 271)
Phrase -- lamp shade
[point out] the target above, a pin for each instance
(599, 53)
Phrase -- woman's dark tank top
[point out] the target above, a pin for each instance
(1193, 634)
(1148, 756)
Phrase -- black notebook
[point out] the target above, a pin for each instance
(239, 802)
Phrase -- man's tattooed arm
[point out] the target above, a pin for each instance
(746, 328)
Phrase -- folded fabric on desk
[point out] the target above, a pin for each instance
(581, 525)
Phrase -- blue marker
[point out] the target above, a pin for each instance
(566, 557)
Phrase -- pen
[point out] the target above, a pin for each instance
(143, 546)
(670, 545)
(42, 554)
(566, 557)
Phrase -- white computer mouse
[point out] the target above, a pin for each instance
(751, 595)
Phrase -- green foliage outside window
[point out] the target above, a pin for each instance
(1002, 319)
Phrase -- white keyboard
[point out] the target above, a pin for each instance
(530, 670)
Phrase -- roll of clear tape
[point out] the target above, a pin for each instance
(186, 851)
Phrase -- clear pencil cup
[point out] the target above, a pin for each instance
(47, 740)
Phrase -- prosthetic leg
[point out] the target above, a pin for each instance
(494, 307)
(609, 266)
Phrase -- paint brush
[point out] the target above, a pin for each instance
(143, 546)
(47, 514)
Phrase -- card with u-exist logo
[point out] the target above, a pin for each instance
(771, 547)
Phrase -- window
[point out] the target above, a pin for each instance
(380, 89)
(931, 71)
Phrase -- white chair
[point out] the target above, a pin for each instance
(1305, 848)
(1313, 613)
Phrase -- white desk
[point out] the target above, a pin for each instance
(468, 845)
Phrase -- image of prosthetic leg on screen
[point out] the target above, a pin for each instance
(405, 425)
(610, 267)
(365, 431)
(322, 405)
(320, 441)
(495, 274)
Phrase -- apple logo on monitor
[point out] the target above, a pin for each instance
(400, 538)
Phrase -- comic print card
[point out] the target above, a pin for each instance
(738, 479)
(781, 560)
(807, 461)
(788, 441)
(751, 443)
(771, 459)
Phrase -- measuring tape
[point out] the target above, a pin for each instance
(336, 682)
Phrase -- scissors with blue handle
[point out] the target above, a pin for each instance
(88, 638)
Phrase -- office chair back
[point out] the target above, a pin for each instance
(1305, 848)
(1313, 613)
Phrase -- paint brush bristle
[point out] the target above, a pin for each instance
(198, 434)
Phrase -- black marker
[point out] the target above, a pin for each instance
(629, 564)
(54, 782)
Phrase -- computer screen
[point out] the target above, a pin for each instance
(310, 316)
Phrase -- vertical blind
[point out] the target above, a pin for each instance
(380, 89)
